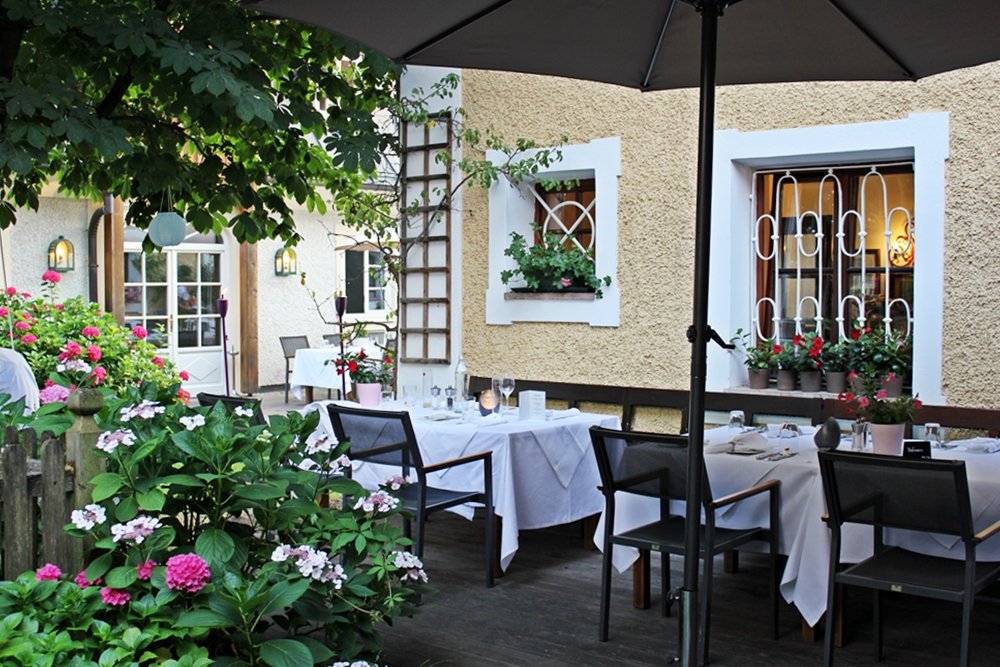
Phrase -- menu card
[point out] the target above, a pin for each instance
(531, 405)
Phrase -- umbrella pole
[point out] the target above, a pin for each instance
(698, 335)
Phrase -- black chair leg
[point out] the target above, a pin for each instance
(830, 624)
(773, 584)
(966, 649)
(667, 602)
(602, 630)
(491, 548)
(288, 377)
(418, 533)
(706, 615)
(877, 623)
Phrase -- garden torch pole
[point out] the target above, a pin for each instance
(340, 303)
(223, 307)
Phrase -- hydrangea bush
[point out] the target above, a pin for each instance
(74, 343)
(208, 526)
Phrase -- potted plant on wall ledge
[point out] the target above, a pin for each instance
(552, 265)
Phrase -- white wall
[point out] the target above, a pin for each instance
(26, 244)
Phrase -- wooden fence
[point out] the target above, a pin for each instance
(41, 482)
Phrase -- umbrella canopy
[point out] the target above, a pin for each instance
(665, 44)
(655, 44)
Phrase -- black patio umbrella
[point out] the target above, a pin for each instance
(665, 44)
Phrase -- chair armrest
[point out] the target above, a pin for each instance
(986, 533)
(451, 463)
(375, 451)
(745, 493)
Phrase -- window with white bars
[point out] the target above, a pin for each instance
(569, 212)
(833, 251)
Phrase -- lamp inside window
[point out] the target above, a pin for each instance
(286, 262)
(62, 255)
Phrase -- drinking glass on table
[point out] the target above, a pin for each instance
(506, 388)
(737, 421)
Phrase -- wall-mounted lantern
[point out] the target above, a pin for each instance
(62, 255)
(286, 262)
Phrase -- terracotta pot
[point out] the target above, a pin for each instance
(760, 378)
(887, 438)
(894, 387)
(786, 379)
(836, 381)
(369, 394)
(810, 380)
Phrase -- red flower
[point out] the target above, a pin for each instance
(797, 340)
(158, 362)
(855, 334)
(352, 366)
(777, 349)
(93, 353)
(99, 374)
(51, 277)
(183, 375)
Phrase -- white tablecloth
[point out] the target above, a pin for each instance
(544, 472)
(310, 369)
(803, 535)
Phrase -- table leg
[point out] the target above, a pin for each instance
(309, 393)
(731, 562)
(640, 581)
(497, 536)
(810, 633)
(589, 526)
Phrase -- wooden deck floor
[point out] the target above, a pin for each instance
(543, 612)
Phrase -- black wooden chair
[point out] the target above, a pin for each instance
(208, 400)
(289, 345)
(912, 494)
(655, 465)
(386, 437)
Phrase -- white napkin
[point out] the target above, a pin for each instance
(981, 445)
(751, 439)
(562, 414)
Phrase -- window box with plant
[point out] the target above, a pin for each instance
(758, 357)
(553, 264)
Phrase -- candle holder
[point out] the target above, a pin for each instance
(340, 303)
(222, 305)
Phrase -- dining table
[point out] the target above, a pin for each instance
(315, 367)
(736, 459)
(544, 470)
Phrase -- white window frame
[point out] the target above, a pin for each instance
(388, 286)
(922, 138)
(512, 209)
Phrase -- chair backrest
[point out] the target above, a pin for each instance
(369, 429)
(890, 491)
(289, 344)
(208, 400)
(647, 464)
(331, 339)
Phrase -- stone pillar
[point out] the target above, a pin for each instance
(81, 453)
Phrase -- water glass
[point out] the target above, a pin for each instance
(737, 420)
(932, 432)
(410, 394)
(859, 436)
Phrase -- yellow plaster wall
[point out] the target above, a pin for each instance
(656, 216)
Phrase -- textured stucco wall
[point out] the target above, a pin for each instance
(657, 210)
(27, 244)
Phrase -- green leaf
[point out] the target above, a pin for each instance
(121, 577)
(215, 546)
(182, 480)
(286, 653)
(151, 501)
(127, 509)
(99, 567)
(106, 485)
(283, 595)
(202, 618)
(320, 652)
(259, 492)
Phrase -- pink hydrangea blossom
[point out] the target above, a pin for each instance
(145, 410)
(28, 339)
(91, 515)
(145, 570)
(91, 332)
(115, 597)
(99, 374)
(51, 276)
(378, 502)
(54, 393)
(187, 572)
(412, 567)
(312, 563)
(183, 375)
(11, 291)
(4, 312)
(139, 332)
(93, 353)
(158, 362)
(58, 306)
(48, 572)
(22, 326)
(395, 483)
(81, 580)
(71, 350)
(109, 440)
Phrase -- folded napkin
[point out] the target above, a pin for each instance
(750, 439)
(562, 414)
(981, 445)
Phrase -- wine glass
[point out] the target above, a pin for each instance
(506, 388)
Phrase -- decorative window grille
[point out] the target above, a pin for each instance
(569, 212)
(833, 251)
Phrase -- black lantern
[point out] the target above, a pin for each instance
(62, 255)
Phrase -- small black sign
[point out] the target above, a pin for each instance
(916, 449)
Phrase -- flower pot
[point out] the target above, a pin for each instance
(369, 394)
(810, 380)
(857, 384)
(894, 387)
(836, 381)
(786, 379)
(887, 438)
(760, 378)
